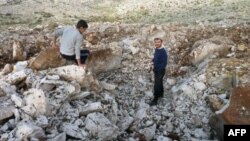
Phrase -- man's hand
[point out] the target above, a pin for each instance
(82, 65)
(55, 45)
(151, 68)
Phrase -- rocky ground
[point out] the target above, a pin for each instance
(44, 97)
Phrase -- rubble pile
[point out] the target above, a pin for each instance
(43, 97)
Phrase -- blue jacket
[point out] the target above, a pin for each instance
(160, 59)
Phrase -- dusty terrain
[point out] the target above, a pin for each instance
(44, 98)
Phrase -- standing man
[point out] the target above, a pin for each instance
(159, 65)
(71, 41)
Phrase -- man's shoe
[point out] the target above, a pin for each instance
(153, 102)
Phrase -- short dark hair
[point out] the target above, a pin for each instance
(157, 39)
(81, 23)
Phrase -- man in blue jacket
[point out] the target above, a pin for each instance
(159, 65)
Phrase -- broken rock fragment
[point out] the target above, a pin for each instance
(60, 137)
(74, 131)
(48, 58)
(6, 89)
(18, 51)
(98, 124)
(16, 77)
(6, 112)
(90, 108)
(7, 69)
(104, 60)
(27, 129)
(36, 98)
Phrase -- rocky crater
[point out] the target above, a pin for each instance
(46, 98)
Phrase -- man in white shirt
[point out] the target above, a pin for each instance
(71, 41)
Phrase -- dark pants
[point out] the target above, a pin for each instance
(83, 56)
(158, 85)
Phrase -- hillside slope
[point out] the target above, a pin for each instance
(34, 12)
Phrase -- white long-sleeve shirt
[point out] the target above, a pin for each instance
(71, 41)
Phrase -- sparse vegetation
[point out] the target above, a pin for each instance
(165, 11)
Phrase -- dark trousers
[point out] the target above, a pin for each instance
(83, 56)
(158, 85)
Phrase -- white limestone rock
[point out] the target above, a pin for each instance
(69, 89)
(17, 100)
(125, 123)
(37, 99)
(4, 137)
(171, 81)
(69, 73)
(200, 86)
(6, 112)
(16, 77)
(188, 90)
(21, 65)
(163, 138)
(53, 77)
(149, 132)
(81, 95)
(149, 94)
(74, 131)
(108, 86)
(42, 121)
(6, 89)
(141, 113)
(27, 129)
(59, 137)
(206, 48)
(90, 108)
(134, 50)
(98, 124)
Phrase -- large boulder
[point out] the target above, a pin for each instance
(69, 73)
(48, 58)
(227, 73)
(236, 112)
(78, 74)
(105, 59)
(216, 46)
(239, 108)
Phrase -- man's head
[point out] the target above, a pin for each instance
(81, 26)
(157, 42)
